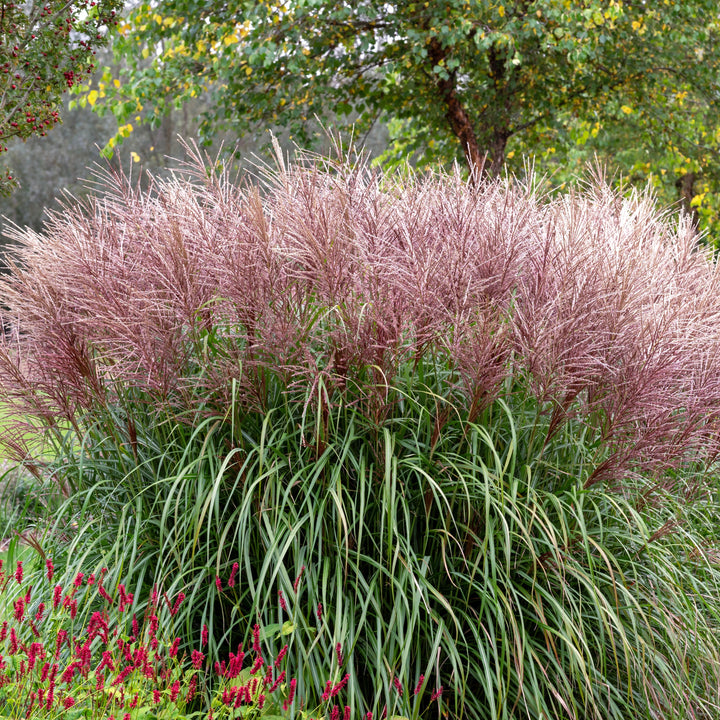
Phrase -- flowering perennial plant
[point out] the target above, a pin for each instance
(114, 666)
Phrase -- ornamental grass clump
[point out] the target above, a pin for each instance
(480, 418)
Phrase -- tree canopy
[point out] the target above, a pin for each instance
(46, 47)
(478, 80)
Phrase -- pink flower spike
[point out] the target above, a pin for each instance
(256, 638)
(296, 584)
(346, 714)
(319, 611)
(419, 684)
(19, 571)
(233, 572)
(281, 598)
(178, 602)
(398, 685)
(50, 569)
(204, 636)
(436, 694)
(338, 653)
(218, 583)
(197, 659)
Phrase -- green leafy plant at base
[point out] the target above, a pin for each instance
(477, 423)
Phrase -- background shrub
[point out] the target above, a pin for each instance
(478, 418)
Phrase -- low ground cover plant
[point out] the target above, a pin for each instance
(80, 652)
(480, 424)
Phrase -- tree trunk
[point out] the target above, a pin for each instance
(457, 116)
(685, 185)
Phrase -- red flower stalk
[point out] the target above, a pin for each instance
(68, 702)
(19, 571)
(50, 569)
(126, 598)
(398, 685)
(291, 694)
(281, 598)
(40, 612)
(236, 662)
(174, 691)
(340, 685)
(261, 701)
(174, 648)
(19, 606)
(176, 606)
(104, 594)
(338, 653)
(328, 690)
(296, 584)
(218, 583)
(346, 713)
(204, 636)
(78, 579)
(437, 694)
(279, 680)
(419, 684)
(319, 611)
(197, 659)
(233, 572)
(335, 714)
(191, 689)
(280, 656)
(123, 674)
(257, 665)
(57, 595)
(256, 639)
(3, 630)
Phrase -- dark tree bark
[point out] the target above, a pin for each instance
(685, 185)
(456, 115)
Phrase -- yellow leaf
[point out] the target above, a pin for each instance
(248, 70)
(231, 39)
(501, 10)
(116, 83)
(135, 157)
(92, 97)
(626, 109)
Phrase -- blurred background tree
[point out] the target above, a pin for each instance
(486, 83)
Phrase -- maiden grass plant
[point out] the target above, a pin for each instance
(483, 422)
